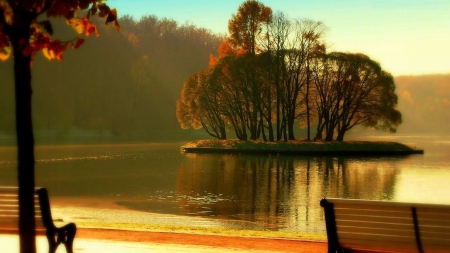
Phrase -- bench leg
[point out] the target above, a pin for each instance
(64, 235)
(52, 245)
(71, 230)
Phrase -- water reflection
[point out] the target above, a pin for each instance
(280, 192)
(253, 192)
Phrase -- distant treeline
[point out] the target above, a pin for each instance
(122, 84)
(425, 103)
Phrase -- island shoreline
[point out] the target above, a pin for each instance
(305, 153)
(305, 148)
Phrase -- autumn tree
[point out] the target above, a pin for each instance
(239, 104)
(322, 78)
(225, 77)
(354, 90)
(277, 46)
(198, 106)
(309, 35)
(22, 34)
(245, 27)
(246, 33)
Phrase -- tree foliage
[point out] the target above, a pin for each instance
(246, 26)
(17, 14)
(358, 92)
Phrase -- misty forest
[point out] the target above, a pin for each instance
(125, 85)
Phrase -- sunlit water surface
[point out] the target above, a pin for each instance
(158, 184)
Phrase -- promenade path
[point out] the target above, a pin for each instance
(122, 241)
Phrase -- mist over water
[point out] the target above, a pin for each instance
(240, 191)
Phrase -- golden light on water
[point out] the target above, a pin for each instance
(413, 184)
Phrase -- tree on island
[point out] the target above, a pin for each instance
(273, 71)
(24, 30)
(353, 90)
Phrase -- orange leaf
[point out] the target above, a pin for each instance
(79, 29)
(48, 53)
(78, 44)
(90, 29)
(212, 60)
(5, 53)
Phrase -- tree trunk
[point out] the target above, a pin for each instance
(340, 136)
(329, 134)
(283, 125)
(308, 119)
(25, 139)
(278, 117)
(319, 129)
(290, 127)
(223, 133)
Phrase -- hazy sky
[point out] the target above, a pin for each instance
(407, 37)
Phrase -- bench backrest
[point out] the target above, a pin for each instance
(9, 210)
(364, 225)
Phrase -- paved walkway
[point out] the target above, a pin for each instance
(10, 243)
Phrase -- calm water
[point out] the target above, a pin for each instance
(256, 192)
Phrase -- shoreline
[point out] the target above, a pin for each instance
(189, 240)
(103, 221)
(344, 148)
(104, 215)
(302, 152)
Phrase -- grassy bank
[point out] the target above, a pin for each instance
(301, 147)
(206, 231)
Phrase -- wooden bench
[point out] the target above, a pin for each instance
(385, 226)
(9, 218)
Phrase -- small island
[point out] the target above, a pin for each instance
(273, 75)
(298, 147)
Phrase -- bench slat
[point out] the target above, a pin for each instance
(369, 212)
(385, 204)
(10, 190)
(13, 222)
(375, 225)
(377, 231)
(374, 219)
(430, 245)
(15, 230)
(8, 208)
(4, 197)
(436, 246)
(433, 223)
(437, 232)
(377, 237)
(434, 235)
(372, 207)
(376, 246)
(433, 210)
(434, 216)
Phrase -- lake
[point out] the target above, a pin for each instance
(156, 183)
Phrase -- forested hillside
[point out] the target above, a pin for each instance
(126, 87)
